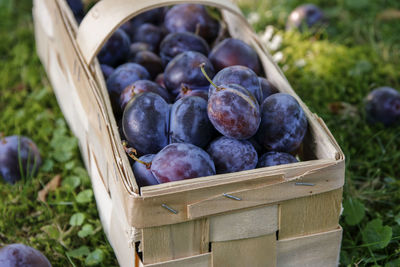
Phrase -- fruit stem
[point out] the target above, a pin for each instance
(197, 31)
(131, 153)
(132, 91)
(205, 74)
(184, 89)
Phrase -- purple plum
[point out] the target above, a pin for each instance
(383, 105)
(232, 155)
(179, 161)
(304, 17)
(20, 255)
(19, 158)
(283, 123)
(275, 158)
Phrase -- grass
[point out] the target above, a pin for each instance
(358, 51)
(66, 228)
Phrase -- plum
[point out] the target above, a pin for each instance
(19, 158)
(128, 28)
(192, 18)
(115, 50)
(120, 130)
(123, 76)
(240, 75)
(142, 172)
(20, 255)
(383, 105)
(232, 155)
(150, 61)
(137, 47)
(149, 34)
(77, 9)
(189, 122)
(160, 80)
(274, 158)
(180, 161)
(183, 71)
(258, 147)
(145, 123)
(154, 16)
(233, 113)
(232, 52)
(283, 123)
(106, 70)
(267, 88)
(203, 93)
(175, 43)
(142, 86)
(233, 110)
(305, 17)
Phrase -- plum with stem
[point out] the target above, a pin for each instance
(184, 71)
(240, 75)
(123, 76)
(233, 110)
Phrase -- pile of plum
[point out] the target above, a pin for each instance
(191, 103)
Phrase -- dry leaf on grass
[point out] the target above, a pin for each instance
(50, 186)
(343, 109)
(389, 14)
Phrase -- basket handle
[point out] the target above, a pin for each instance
(107, 15)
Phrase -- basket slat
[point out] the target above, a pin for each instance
(244, 224)
(175, 241)
(255, 252)
(316, 250)
(313, 214)
(203, 260)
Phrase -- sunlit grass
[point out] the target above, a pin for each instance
(356, 52)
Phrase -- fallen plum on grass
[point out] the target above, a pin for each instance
(20, 255)
(307, 16)
(383, 105)
(19, 158)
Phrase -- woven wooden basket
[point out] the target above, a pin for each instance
(287, 215)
